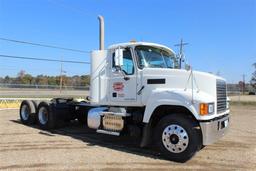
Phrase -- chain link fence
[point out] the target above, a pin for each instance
(12, 94)
(34, 86)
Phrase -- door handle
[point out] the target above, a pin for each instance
(140, 91)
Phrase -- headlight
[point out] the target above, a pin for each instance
(210, 108)
(206, 108)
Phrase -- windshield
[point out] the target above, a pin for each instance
(152, 57)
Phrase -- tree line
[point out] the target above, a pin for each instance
(27, 79)
(75, 81)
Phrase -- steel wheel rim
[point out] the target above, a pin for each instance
(25, 112)
(43, 115)
(175, 138)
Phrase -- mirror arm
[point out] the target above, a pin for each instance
(124, 75)
(122, 72)
(126, 78)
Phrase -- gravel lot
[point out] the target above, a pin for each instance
(243, 98)
(28, 148)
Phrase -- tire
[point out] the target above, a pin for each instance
(45, 116)
(35, 102)
(176, 138)
(82, 115)
(27, 112)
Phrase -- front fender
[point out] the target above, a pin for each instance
(168, 97)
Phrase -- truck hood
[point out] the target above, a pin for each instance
(178, 79)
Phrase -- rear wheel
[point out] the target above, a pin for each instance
(45, 117)
(176, 138)
(27, 112)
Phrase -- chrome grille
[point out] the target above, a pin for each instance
(221, 96)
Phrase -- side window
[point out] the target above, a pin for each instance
(128, 65)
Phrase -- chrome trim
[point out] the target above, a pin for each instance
(221, 95)
(94, 117)
(212, 130)
(175, 138)
(108, 132)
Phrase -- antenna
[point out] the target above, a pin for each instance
(181, 55)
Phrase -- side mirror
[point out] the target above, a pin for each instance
(119, 57)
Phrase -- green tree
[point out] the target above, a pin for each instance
(23, 78)
(20, 75)
(76, 81)
(41, 80)
(52, 80)
(7, 79)
(85, 80)
(27, 79)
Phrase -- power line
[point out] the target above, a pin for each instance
(42, 59)
(43, 45)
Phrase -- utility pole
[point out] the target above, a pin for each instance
(61, 76)
(181, 45)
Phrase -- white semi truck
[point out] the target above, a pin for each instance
(139, 89)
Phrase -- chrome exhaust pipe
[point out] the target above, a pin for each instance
(101, 32)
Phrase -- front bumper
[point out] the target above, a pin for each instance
(214, 129)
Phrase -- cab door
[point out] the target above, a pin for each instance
(123, 81)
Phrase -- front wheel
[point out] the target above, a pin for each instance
(176, 138)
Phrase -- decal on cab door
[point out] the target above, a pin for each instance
(118, 86)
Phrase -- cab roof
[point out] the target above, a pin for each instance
(132, 44)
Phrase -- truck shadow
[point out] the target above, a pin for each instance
(124, 144)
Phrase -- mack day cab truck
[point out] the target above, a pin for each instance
(138, 89)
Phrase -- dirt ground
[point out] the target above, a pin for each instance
(243, 98)
(74, 148)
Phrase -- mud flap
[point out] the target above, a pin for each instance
(146, 134)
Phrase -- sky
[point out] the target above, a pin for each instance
(221, 33)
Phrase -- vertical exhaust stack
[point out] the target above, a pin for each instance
(101, 32)
(98, 90)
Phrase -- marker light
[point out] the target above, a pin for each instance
(206, 108)
(203, 108)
